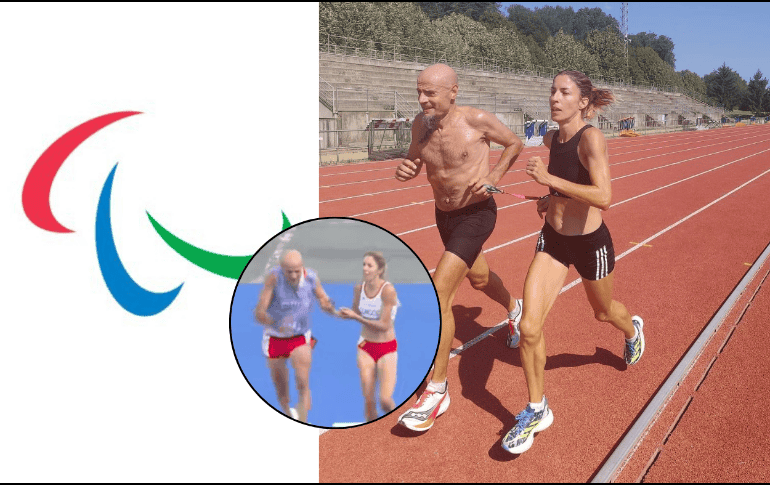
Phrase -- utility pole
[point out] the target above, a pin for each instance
(624, 27)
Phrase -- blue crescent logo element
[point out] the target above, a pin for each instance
(124, 289)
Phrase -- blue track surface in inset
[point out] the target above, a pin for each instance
(334, 378)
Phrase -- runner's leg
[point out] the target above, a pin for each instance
(487, 281)
(605, 308)
(449, 274)
(386, 374)
(280, 375)
(368, 381)
(542, 285)
(301, 358)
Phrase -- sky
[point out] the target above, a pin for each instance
(705, 34)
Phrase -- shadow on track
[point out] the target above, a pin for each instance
(477, 362)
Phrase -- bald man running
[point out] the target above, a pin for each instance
(284, 309)
(453, 143)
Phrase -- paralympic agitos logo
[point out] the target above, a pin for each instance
(127, 292)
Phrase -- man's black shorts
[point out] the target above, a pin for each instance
(463, 231)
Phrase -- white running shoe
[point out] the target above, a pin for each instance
(635, 348)
(520, 438)
(293, 413)
(514, 335)
(423, 414)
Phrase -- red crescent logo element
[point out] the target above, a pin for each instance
(37, 188)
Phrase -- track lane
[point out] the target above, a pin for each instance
(589, 346)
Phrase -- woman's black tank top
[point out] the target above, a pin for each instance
(565, 163)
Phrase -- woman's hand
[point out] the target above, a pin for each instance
(542, 205)
(537, 170)
(347, 313)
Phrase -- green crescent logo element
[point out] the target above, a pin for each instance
(219, 264)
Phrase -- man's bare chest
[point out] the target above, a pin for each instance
(453, 148)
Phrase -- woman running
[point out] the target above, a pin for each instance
(578, 178)
(374, 305)
(284, 309)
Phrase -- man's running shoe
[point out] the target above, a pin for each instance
(520, 438)
(635, 348)
(423, 414)
(293, 413)
(513, 325)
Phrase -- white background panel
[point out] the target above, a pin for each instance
(226, 141)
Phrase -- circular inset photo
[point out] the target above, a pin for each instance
(335, 322)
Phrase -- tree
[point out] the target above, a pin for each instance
(349, 19)
(538, 58)
(756, 94)
(528, 24)
(461, 37)
(509, 46)
(372, 23)
(724, 85)
(556, 18)
(564, 52)
(692, 82)
(588, 20)
(479, 11)
(662, 45)
(767, 100)
(607, 47)
(647, 68)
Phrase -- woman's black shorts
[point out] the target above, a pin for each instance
(592, 254)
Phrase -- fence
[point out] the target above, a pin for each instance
(370, 49)
(346, 135)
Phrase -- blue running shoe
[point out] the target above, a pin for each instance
(635, 347)
(514, 335)
(520, 438)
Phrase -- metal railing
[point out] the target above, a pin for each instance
(369, 49)
(404, 108)
(326, 93)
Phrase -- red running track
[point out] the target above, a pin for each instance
(689, 211)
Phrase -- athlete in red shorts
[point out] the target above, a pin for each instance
(374, 305)
(284, 309)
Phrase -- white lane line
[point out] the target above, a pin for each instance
(622, 201)
(546, 156)
(370, 194)
(612, 142)
(710, 137)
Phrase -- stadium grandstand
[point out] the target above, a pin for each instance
(367, 99)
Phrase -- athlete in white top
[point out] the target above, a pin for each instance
(377, 356)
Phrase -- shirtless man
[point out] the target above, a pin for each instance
(453, 143)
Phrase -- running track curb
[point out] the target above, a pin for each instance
(622, 452)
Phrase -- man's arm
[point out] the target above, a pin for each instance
(323, 298)
(411, 166)
(260, 312)
(495, 131)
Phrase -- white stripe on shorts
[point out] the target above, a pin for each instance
(606, 264)
(601, 262)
